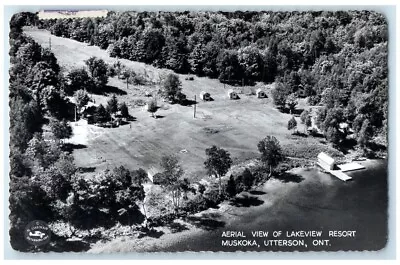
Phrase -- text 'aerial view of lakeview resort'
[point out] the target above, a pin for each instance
(198, 131)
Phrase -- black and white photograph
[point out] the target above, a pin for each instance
(136, 131)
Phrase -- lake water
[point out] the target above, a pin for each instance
(319, 202)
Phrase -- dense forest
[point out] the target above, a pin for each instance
(337, 60)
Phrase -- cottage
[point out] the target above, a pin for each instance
(88, 112)
(232, 94)
(325, 161)
(301, 91)
(205, 96)
(260, 93)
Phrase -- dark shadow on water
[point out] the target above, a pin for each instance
(205, 223)
(86, 169)
(257, 192)
(159, 116)
(246, 201)
(289, 177)
(68, 147)
(177, 227)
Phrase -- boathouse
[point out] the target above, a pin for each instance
(325, 161)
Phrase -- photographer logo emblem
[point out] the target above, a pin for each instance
(37, 233)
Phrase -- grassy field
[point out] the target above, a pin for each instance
(235, 125)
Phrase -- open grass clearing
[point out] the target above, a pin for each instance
(235, 125)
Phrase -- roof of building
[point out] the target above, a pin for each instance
(259, 90)
(326, 158)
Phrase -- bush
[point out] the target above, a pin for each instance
(213, 197)
(248, 179)
(111, 71)
(282, 167)
(197, 204)
(231, 187)
(314, 100)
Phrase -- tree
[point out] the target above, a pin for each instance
(271, 152)
(231, 187)
(171, 87)
(279, 95)
(124, 110)
(54, 102)
(78, 79)
(152, 107)
(333, 135)
(81, 98)
(365, 134)
(172, 172)
(112, 104)
(308, 121)
(305, 119)
(26, 119)
(218, 163)
(291, 101)
(60, 129)
(248, 178)
(101, 115)
(228, 67)
(98, 71)
(292, 124)
(139, 176)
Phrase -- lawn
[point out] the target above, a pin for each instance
(235, 125)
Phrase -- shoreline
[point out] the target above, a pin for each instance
(273, 191)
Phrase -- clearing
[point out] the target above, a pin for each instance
(235, 125)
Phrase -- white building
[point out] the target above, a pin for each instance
(260, 93)
(232, 94)
(205, 96)
(325, 161)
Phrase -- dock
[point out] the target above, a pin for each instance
(350, 167)
(328, 165)
(340, 175)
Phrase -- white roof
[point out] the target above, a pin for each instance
(326, 158)
(259, 90)
(231, 91)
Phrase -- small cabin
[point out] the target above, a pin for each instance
(155, 176)
(325, 161)
(260, 93)
(232, 94)
(301, 91)
(205, 96)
